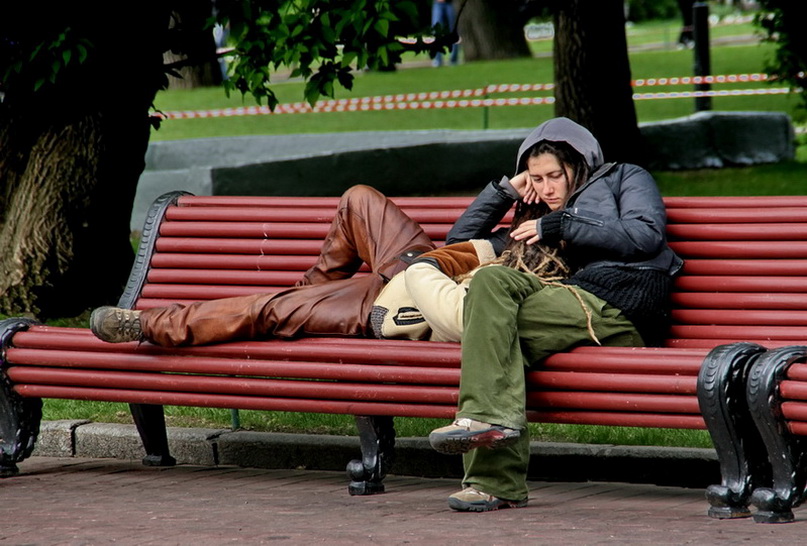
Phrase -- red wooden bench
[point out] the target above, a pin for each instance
(745, 279)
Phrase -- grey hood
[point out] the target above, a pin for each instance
(563, 130)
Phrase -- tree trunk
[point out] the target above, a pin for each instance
(69, 192)
(592, 75)
(491, 29)
(198, 52)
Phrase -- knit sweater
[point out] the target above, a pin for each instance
(642, 294)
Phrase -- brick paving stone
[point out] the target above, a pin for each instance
(107, 501)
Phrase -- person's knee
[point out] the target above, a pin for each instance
(360, 191)
(359, 196)
(502, 282)
(491, 278)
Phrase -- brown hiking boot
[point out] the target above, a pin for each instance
(474, 500)
(116, 325)
(466, 434)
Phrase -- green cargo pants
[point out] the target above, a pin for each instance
(513, 319)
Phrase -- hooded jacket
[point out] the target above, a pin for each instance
(613, 228)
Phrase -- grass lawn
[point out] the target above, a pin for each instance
(662, 60)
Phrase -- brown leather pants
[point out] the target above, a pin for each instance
(328, 300)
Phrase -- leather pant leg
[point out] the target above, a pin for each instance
(328, 301)
(368, 228)
(333, 308)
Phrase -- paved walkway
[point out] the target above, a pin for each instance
(82, 501)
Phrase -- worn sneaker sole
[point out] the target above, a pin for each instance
(108, 326)
(463, 442)
(484, 506)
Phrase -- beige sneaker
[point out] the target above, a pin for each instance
(473, 500)
(116, 325)
(466, 434)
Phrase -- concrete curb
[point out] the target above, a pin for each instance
(688, 467)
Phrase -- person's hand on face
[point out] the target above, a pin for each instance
(523, 185)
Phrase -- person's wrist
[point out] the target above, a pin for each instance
(506, 186)
(550, 226)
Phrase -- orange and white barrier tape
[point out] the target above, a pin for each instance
(476, 98)
(696, 80)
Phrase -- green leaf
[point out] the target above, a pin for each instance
(36, 51)
(327, 87)
(82, 53)
(66, 56)
(312, 92)
(345, 79)
(348, 58)
(382, 27)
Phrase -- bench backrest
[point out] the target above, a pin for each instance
(745, 276)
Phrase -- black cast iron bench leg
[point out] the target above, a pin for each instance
(377, 437)
(150, 422)
(787, 452)
(740, 451)
(19, 417)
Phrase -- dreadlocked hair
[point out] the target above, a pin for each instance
(538, 259)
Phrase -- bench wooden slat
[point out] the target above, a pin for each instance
(798, 428)
(208, 400)
(759, 202)
(460, 202)
(732, 215)
(712, 342)
(232, 366)
(276, 262)
(739, 300)
(794, 411)
(277, 388)
(793, 390)
(736, 332)
(200, 292)
(738, 232)
(202, 276)
(248, 230)
(772, 267)
(615, 419)
(271, 230)
(797, 371)
(749, 317)
(612, 382)
(685, 202)
(238, 246)
(245, 386)
(292, 215)
(643, 403)
(244, 246)
(736, 283)
(326, 349)
(741, 249)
